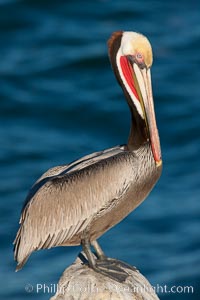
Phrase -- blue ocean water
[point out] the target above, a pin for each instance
(59, 101)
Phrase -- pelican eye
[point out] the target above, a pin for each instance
(139, 57)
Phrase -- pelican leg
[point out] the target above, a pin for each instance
(105, 266)
(86, 248)
(99, 252)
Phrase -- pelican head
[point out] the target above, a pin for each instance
(131, 58)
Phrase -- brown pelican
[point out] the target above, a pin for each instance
(76, 203)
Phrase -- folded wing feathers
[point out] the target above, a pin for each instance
(60, 208)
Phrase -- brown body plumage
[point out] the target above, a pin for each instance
(82, 200)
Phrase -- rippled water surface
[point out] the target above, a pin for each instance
(59, 101)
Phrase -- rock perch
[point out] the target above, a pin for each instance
(79, 282)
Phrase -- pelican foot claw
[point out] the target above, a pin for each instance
(120, 264)
(112, 268)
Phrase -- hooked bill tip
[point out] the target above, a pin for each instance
(159, 163)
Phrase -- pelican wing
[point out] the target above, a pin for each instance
(64, 200)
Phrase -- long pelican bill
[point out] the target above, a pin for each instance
(139, 82)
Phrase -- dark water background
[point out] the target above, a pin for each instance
(59, 101)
